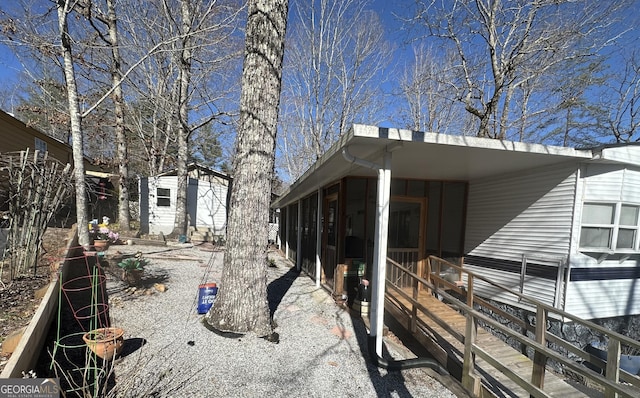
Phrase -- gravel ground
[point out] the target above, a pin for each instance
(321, 353)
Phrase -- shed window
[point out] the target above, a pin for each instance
(163, 197)
(610, 227)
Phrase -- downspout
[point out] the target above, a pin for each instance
(374, 343)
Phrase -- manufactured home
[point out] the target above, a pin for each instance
(207, 201)
(561, 225)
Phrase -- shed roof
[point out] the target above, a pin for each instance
(200, 169)
(421, 155)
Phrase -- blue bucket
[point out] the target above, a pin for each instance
(206, 296)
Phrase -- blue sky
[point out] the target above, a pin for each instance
(10, 66)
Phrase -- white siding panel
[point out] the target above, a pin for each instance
(540, 289)
(508, 280)
(603, 182)
(521, 214)
(631, 185)
(518, 215)
(212, 205)
(162, 218)
(596, 299)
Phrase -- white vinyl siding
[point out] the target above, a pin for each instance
(524, 217)
(206, 203)
(603, 298)
(211, 205)
(610, 295)
(162, 217)
(524, 214)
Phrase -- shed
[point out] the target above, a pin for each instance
(207, 201)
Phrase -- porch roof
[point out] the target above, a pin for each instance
(419, 155)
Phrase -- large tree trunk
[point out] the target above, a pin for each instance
(242, 305)
(76, 126)
(118, 104)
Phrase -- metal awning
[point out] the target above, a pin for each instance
(418, 155)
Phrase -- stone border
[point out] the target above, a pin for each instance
(28, 350)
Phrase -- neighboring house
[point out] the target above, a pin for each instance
(17, 136)
(559, 224)
(207, 201)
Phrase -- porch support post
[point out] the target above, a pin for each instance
(318, 238)
(286, 235)
(380, 254)
(299, 238)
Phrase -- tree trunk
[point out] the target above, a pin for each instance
(242, 305)
(63, 7)
(121, 139)
(180, 223)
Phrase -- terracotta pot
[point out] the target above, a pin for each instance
(100, 245)
(132, 277)
(105, 342)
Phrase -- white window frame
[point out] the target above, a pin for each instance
(615, 227)
(163, 198)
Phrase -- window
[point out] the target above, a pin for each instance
(163, 197)
(40, 145)
(610, 227)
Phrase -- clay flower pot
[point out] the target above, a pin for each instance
(105, 342)
(100, 245)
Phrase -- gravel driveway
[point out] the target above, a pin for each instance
(169, 353)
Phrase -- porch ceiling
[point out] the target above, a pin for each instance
(426, 156)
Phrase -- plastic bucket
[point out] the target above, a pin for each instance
(206, 296)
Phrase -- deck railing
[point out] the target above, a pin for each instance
(408, 258)
(456, 286)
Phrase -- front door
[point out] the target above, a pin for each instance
(406, 239)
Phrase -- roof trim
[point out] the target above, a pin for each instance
(425, 155)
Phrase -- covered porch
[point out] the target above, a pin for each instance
(383, 193)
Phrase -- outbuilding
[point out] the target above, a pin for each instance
(207, 202)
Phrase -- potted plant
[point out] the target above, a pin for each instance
(102, 236)
(132, 269)
(105, 342)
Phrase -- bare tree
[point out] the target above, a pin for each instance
(118, 104)
(241, 305)
(111, 39)
(621, 102)
(64, 8)
(502, 46)
(426, 88)
(334, 70)
(213, 76)
(184, 79)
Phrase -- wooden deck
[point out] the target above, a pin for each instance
(442, 312)
(448, 347)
